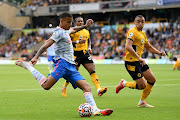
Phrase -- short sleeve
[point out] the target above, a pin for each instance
(72, 35)
(56, 36)
(145, 38)
(131, 35)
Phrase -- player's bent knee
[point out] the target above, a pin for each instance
(151, 81)
(46, 87)
(141, 86)
(154, 80)
(91, 72)
(87, 88)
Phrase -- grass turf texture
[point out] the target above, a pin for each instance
(22, 98)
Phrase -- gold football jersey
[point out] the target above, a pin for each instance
(82, 34)
(177, 64)
(139, 39)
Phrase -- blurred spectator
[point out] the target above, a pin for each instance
(21, 45)
(34, 3)
(109, 44)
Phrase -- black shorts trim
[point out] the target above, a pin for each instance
(135, 69)
(150, 83)
(131, 39)
(82, 57)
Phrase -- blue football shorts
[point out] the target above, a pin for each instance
(66, 70)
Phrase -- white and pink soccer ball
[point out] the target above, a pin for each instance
(85, 110)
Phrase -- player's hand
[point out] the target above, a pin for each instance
(163, 53)
(34, 61)
(142, 62)
(90, 50)
(82, 41)
(89, 22)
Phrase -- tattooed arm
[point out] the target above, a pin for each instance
(47, 44)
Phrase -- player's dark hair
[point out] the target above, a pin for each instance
(174, 58)
(138, 16)
(77, 18)
(64, 15)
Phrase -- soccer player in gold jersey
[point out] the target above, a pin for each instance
(177, 64)
(82, 50)
(135, 65)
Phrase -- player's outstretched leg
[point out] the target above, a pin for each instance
(149, 76)
(120, 86)
(83, 85)
(37, 75)
(64, 92)
(97, 112)
(123, 83)
(96, 82)
(145, 94)
(23, 64)
(64, 89)
(104, 112)
(144, 104)
(101, 91)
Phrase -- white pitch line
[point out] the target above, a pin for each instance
(169, 80)
(154, 85)
(91, 87)
(26, 89)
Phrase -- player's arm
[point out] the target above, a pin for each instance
(73, 42)
(47, 44)
(132, 51)
(89, 46)
(80, 41)
(77, 28)
(150, 48)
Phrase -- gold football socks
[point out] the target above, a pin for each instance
(146, 91)
(95, 80)
(131, 85)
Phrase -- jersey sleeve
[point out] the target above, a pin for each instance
(131, 35)
(145, 38)
(56, 36)
(72, 35)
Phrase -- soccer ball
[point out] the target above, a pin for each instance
(85, 110)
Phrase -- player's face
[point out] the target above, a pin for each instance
(66, 23)
(139, 22)
(79, 22)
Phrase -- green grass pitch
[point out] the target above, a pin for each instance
(22, 98)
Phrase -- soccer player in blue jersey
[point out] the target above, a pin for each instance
(64, 62)
(50, 56)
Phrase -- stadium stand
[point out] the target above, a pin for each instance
(31, 3)
(108, 44)
(5, 34)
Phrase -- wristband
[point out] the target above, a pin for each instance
(77, 41)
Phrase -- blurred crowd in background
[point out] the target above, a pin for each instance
(31, 3)
(109, 45)
(112, 44)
